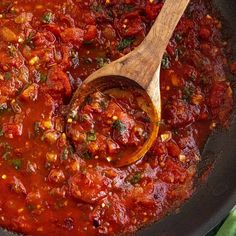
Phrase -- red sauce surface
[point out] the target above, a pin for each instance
(47, 49)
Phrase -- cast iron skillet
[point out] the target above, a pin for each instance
(217, 196)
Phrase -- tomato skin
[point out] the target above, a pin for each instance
(73, 35)
(91, 33)
(58, 82)
(96, 187)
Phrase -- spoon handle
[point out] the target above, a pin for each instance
(141, 64)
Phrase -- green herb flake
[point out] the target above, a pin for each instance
(47, 17)
(91, 136)
(29, 40)
(127, 8)
(12, 50)
(119, 126)
(30, 207)
(124, 43)
(82, 118)
(135, 179)
(16, 163)
(97, 8)
(7, 76)
(65, 154)
(43, 78)
(87, 155)
(101, 61)
(87, 43)
(1, 133)
(37, 128)
(187, 93)
(165, 62)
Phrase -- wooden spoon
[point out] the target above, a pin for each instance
(139, 68)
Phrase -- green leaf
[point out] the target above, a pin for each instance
(87, 43)
(97, 8)
(101, 61)
(135, 178)
(187, 93)
(124, 43)
(7, 76)
(43, 78)
(87, 155)
(65, 154)
(119, 126)
(91, 136)
(29, 40)
(37, 128)
(16, 163)
(165, 62)
(47, 17)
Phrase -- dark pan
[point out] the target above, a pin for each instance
(217, 196)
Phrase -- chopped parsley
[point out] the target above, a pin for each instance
(43, 78)
(87, 43)
(101, 61)
(135, 179)
(91, 136)
(65, 154)
(29, 40)
(7, 76)
(12, 50)
(187, 93)
(16, 163)
(165, 62)
(87, 155)
(97, 8)
(119, 126)
(36, 128)
(126, 8)
(124, 43)
(47, 17)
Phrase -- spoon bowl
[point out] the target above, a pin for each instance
(151, 107)
(140, 69)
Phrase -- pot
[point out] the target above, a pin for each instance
(217, 195)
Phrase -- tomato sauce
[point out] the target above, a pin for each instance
(110, 125)
(56, 180)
